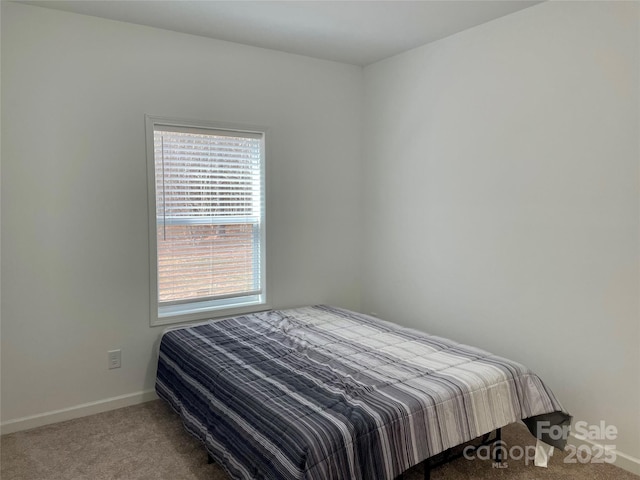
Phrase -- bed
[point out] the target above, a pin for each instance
(321, 393)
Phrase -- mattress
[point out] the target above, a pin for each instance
(325, 393)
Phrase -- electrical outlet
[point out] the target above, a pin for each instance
(114, 359)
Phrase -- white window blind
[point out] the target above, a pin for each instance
(209, 218)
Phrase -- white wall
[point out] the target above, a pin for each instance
(501, 184)
(74, 217)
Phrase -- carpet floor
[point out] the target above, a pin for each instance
(147, 441)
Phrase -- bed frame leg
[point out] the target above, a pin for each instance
(498, 443)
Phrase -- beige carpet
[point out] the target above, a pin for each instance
(148, 442)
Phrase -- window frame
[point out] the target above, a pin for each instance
(208, 309)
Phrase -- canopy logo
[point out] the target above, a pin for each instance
(600, 451)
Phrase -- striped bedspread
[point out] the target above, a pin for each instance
(324, 393)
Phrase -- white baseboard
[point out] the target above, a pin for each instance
(33, 421)
(624, 461)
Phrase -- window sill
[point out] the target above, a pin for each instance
(169, 317)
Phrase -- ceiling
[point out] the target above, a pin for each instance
(356, 32)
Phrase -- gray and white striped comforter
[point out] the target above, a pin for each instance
(323, 393)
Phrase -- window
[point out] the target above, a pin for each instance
(206, 221)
